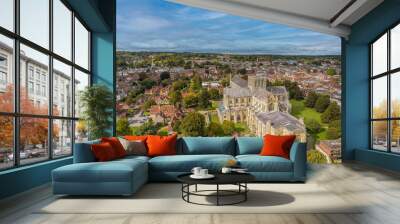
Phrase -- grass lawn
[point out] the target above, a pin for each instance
(300, 110)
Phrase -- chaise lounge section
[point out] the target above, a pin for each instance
(125, 176)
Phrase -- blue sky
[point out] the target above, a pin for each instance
(158, 25)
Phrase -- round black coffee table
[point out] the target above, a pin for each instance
(238, 179)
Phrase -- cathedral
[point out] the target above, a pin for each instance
(265, 109)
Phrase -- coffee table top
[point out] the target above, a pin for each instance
(220, 178)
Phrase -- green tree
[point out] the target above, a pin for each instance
(123, 127)
(311, 99)
(148, 83)
(179, 85)
(312, 125)
(193, 124)
(146, 106)
(175, 97)
(165, 82)
(191, 100)
(331, 71)
(229, 128)
(334, 130)
(215, 129)
(322, 103)
(214, 94)
(204, 99)
(148, 128)
(225, 82)
(97, 103)
(164, 75)
(195, 83)
(331, 113)
(314, 156)
(176, 126)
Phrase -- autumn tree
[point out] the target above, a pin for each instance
(33, 131)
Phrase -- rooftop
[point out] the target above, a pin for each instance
(281, 119)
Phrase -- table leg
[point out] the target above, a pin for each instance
(188, 189)
(217, 194)
(195, 188)
(245, 193)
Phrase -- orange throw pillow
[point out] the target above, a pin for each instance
(161, 145)
(103, 152)
(116, 145)
(277, 145)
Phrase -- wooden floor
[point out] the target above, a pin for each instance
(379, 189)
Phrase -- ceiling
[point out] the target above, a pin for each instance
(333, 17)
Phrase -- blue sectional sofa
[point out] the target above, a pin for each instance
(125, 176)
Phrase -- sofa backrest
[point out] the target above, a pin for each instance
(248, 145)
(206, 145)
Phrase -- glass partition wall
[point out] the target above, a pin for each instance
(44, 64)
(385, 91)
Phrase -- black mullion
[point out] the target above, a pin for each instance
(115, 73)
(73, 82)
(389, 100)
(43, 50)
(50, 87)
(8, 33)
(371, 89)
(84, 70)
(385, 73)
(16, 85)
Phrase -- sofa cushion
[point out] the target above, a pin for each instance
(249, 145)
(277, 145)
(206, 145)
(104, 152)
(116, 145)
(185, 163)
(136, 147)
(257, 163)
(161, 145)
(112, 171)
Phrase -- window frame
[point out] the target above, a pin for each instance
(16, 115)
(388, 74)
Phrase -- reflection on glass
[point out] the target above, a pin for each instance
(6, 142)
(395, 94)
(62, 89)
(34, 96)
(62, 29)
(395, 47)
(379, 98)
(35, 21)
(81, 131)
(62, 138)
(33, 139)
(395, 138)
(6, 75)
(81, 82)
(81, 45)
(379, 135)
(7, 14)
(379, 55)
